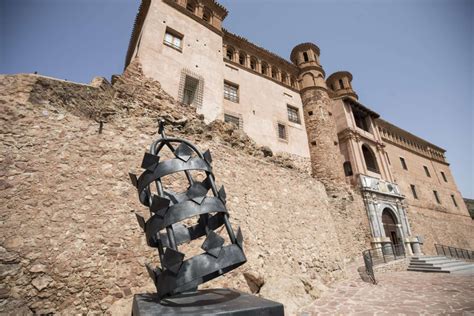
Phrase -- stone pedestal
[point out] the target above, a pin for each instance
(206, 302)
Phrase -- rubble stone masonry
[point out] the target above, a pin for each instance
(69, 239)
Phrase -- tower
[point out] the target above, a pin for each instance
(326, 159)
(340, 84)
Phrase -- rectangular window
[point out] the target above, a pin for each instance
(413, 190)
(444, 176)
(436, 196)
(427, 172)
(293, 114)
(231, 92)
(454, 200)
(404, 164)
(282, 131)
(232, 119)
(361, 119)
(173, 39)
(190, 89)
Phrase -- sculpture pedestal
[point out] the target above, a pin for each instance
(206, 302)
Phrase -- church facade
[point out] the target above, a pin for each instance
(292, 106)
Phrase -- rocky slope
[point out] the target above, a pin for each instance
(69, 239)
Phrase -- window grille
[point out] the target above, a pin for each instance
(282, 131)
(232, 119)
(293, 114)
(231, 92)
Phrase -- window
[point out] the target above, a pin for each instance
(305, 57)
(232, 119)
(413, 190)
(231, 92)
(361, 119)
(242, 58)
(348, 169)
(454, 200)
(444, 176)
(274, 73)
(282, 131)
(191, 6)
(253, 63)
(264, 68)
(370, 160)
(190, 88)
(427, 172)
(404, 164)
(173, 39)
(229, 53)
(207, 14)
(293, 114)
(436, 196)
(341, 84)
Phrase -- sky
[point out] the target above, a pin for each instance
(412, 60)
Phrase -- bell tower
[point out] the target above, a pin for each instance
(326, 159)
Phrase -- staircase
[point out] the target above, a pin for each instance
(440, 264)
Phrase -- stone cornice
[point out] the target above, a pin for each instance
(237, 65)
(401, 138)
(193, 16)
(240, 42)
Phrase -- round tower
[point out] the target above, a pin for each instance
(326, 159)
(340, 84)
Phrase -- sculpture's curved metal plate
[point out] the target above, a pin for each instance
(166, 228)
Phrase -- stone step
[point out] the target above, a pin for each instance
(427, 270)
(439, 261)
(426, 257)
(438, 264)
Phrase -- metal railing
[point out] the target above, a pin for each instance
(376, 256)
(454, 252)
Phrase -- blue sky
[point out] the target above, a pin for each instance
(412, 61)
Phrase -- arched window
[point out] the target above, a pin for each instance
(264, 68)
(348, 169)
(284, 77)
(370, 160)
(191, 6)
(293, 82)
(274, 73)
(242, 56)
(229, 53)
(341, 84)
(253, 63)
(305, 56)
(207, 15)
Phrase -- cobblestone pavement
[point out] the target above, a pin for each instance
(399, 293)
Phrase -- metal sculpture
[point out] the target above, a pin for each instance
(165, 229)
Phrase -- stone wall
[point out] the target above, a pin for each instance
(70, 243)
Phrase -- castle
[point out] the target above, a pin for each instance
(293, 107)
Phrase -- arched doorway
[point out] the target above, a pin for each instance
(390, 222)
